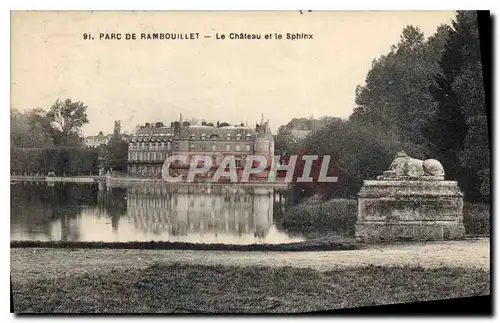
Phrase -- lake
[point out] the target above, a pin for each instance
(225, 214)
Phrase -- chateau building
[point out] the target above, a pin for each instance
(96, 141)
(102, 140)
(150, 146)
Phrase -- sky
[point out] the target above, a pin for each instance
(234, 81)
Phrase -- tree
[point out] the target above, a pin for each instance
(359, 150)
(100, 133)
(67, 118)
(30, 129)
(117, 154)
(429, 95)
(176, 126)
(396, 95)
(424, 97)
(462, 103)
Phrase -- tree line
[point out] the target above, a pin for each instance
(49, 141)
(426, 97)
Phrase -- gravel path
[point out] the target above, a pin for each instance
(34, 262)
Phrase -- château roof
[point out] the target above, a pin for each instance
(195, 131)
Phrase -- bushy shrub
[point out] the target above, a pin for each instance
(337, 216)
(477, 219)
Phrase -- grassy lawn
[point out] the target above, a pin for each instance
(179, 288)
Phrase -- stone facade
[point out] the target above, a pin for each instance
(150, 146)
(398, 207)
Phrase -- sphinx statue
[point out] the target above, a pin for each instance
(404, 167)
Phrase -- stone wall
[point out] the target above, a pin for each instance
(391, 210)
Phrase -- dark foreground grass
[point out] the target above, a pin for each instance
(179, 288)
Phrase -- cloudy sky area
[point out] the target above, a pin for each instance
(138, 81)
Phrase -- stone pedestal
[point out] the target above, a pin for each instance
(419, 210)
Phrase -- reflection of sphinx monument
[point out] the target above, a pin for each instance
(410, 201)
(201, 209)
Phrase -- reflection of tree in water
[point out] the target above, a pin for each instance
(279, 204)
(282, 203)
(114, 203)
(28, 212)
(37, 205)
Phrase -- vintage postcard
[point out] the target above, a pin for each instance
(249, 162)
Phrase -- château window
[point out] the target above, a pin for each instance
(203, 136)
(238, 136)
(248, 147)
(228, 147)
(213, 147)
(237, 147)
(228, 136)
(192, 146)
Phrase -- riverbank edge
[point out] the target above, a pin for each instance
(118, 181)
(320, 244)
(308, 245)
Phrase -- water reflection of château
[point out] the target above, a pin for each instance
(211, 209)
(200, 213)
